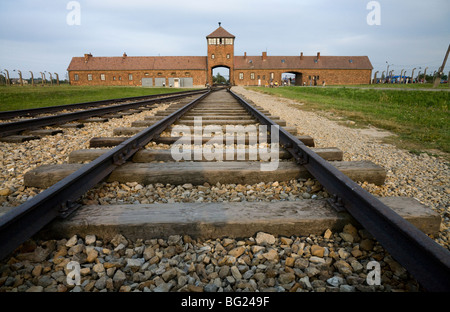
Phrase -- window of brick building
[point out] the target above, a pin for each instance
(102, 77)
(90, 77)
(120, 78)
(241, 76)
(114, 78)
(228, 55)
(187, 73)
(252, 76)
(75, 77)
(130, 77)
(271, 75)
(212, 56)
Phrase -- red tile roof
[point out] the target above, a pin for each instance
(220, 33)
(139, 63)
(307, 62)
(199, 62)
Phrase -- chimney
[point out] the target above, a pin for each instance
(87, 57)
(245, 55)
(318, 55)
(264, 56)
(124, 55)
(301, 55)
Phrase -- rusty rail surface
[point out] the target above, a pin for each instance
(11, 128)
(57, 108)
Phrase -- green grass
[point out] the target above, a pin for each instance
(17, 97)
(419, 118)
(414, 86)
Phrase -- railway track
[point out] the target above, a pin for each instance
(10, 131)
(59, 108)
(127, 160)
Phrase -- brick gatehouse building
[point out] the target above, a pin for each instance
(196, 71)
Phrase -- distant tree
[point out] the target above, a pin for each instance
(219, 79)
(429, 78)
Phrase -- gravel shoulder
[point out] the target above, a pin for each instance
(423, 177)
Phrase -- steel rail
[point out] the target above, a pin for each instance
(57, 108)
(10, 128)
(22, 222)
(426, 260)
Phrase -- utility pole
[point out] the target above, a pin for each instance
(32, 78)
(8, 81)
(51, 79)
(20, 77)
(387, 69)
(412, 75)
(437, 81)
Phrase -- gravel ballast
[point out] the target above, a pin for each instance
(334, 262)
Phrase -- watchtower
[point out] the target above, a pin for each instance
(220, 52)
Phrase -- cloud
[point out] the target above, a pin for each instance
(37, 36)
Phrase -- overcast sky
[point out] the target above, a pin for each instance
(38, 35)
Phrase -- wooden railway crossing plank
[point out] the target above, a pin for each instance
(225, 219)
(109, 116)
(244, 172)
(306, 139)
(71, 125)
(128, 130)
(148, 155)
(19, 138)
(42, 132)
(234, 172)
(135, 130)
(113, 141)
(106, 141)
(93, 119)
(206, 122)
(209, 117)
(234, 113)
